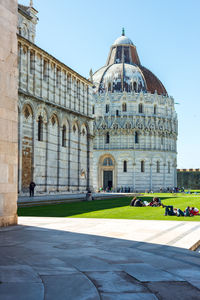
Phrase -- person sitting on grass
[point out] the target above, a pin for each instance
(133, 201)
(155, 202)
(191, 211)
(194, 211)
(138, 203)
(170, 211)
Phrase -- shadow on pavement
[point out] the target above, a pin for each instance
(48, 261)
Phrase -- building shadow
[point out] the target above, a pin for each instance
(42, 262)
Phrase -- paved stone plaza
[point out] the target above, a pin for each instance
(69, 258)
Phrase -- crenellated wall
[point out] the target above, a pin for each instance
(8, 113)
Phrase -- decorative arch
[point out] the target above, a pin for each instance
(54, 120)
(75, 128)
(41, 111)
(26, 146)
(27, 111)
(107, 161)
(107, 171)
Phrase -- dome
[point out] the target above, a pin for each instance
(119, 77)
(124, 72)
(122, 40)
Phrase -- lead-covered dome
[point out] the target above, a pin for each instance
(119, 77)
(124, 72)
(122, 40)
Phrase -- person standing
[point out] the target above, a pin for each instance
(31, 188)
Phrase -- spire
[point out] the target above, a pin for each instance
(123, 32)
(31, 3)
(91, 74)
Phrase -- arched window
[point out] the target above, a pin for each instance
(117, 112)
(26, 112)
(158, 167)
(168, 167)
(124, 107)
(155, 109)
(125, 166)
(135, 87)
(107, 108)
(40, 129)
(107, 138)
(109, 87)
(64, 136)
(162, 140)
(93, 110)
(142, 166)
(140, 108)
(136, 138)
(107, 162)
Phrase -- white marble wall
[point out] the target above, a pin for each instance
(59, 95)
(157, 130)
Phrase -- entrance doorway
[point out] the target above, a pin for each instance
(107, 179)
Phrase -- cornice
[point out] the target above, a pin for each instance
(39, 99)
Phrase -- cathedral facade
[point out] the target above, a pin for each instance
(55, 131)
(135, 125)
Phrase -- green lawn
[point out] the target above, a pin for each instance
(116, 208)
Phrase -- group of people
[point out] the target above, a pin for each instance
(169, 209)
(139, 203)
(188, 212)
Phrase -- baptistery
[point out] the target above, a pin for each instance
(135, 127)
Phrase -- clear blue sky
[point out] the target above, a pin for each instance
(165, 32)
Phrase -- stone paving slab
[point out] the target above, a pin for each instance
(129, 296)
(174, 290)
(115, 281)
(72, 286)
(91, 259)
(146, 272)
(18, 273)
(21, 291)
